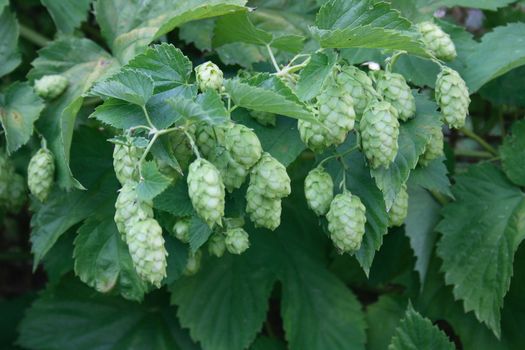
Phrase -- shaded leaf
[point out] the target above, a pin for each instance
(199, 233)
(152, 183)
(175, 200)
(9, 55)
(512, 156)
(67, 14)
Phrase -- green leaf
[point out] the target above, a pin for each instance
(152, 183)
(365, 24)
(130, 27)
(59, 260)
(20, 107)
(102, 260)
(432, 177)
(67, 14)
(213, 303)
(413, 137)
(198, 33)
(508, 89)
(383, 318)
(82, 62)
(481, 232)
(128, 85)
(15, 309)
(313, 76)
(175, 200)
(267, 343)
(74, 316)
(199, 233)
(207, 107)
(119, 114)
(417, 332)
(512, 156)
(9, 55)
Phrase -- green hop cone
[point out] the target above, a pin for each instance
(379, 133)
(206, 191)
(41, 173)
(437, 41)
(146, 247)
(237, 240)
(452, 97)
(398, 212)
(217, 245)
(433, 148)
(193, 264)
(125, 162)
(263, 211)
(264, 118)
(50, 87)
(181, 229)
(129, 209)
(357, 84)
(394, 88)
(346, 222)
(179, 146)
(209, 76)
(336, 116)
(207, 138)
(319, 190)
(243, 145)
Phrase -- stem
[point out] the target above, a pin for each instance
(473, 154)
(272, 57)
(439, 197)
(338, 155)
(148, 118)
(472, 135)
(291, 69)
(32, 36)
(393, 59)
(342, 185)
(148, 148)
(192, 144)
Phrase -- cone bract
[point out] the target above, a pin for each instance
(433, 148)
(50, 86)
(318, 189)
(129, 209)
(41, 173)
(437, 41)
(346, 222)
(125, 162)
(358, 85)
(452, 97)
(395, 90)
(209, 76)
(398, 212)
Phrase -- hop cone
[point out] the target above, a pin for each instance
(357, 84)
(237, 240)
(180, 147)
(379, 133)
(263, 211)
(395, 90)
(40, 174)
(264, 118)
(398, 211)
(206, 191)
(217, 245)
(193, 264)
(452, 96)
(50, 86)
(125, 162)
(346, 222)
(146, 246)
(243, 145)
(336, 115)
(437, 41)
(433, 148)
(209, 76)
(206, 138)
(318, 189)
(129, 209)
(182, 229)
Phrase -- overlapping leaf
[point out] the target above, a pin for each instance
(67, 14)
(9, 55)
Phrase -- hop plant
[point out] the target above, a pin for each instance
(182, 229)
(50, 87)
(433, 148)
(346, 222)
(398, 212)
(452, 96)
(394, 88)
(129, 209)
(379, 133)
(237, 240)
(358, 85)
(437, 41)
(217, 245)
(146, 247)
(209, 76)
(264, 118)
(336, 116)
(41, 173)
(125, 162)
(193, 264)
(318, 189)
(206, 191)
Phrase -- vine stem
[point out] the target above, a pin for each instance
(473, 154)
(192, 144)
(148, 148)
(472, 135)
(272, 57)
(32, 36)
(393, 59)
(348, 151)
(148, 118)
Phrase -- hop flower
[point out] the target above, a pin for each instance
(395, 90)
(318, 189)
(206, 139)
(182, 229)
(346, 222)
(243, 145)
(41, 173)
(437, 41)
(193, 264)
(452, 96)
(51, 86)
(217, 245)
(379, 133)
(206, 191)
(209, 76)
(237, 240)
(146, 247)
(264, 118)
(336, 116)
(129, 209)
(357, 84)
(433, 148)
(263, 211)
(398, 211)
(125, 162)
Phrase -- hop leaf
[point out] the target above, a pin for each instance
(50, 87)
(379, 134)
(206, 191)
(452, 96)
(437, 41)
(395, 90)
(346, 222)
(182, 229)
(399, 210)
(318, 189)
(125, 162)
(237, 240)
(129, 209)
(217, 245)
(41, 173)
(264, 118)
(433, 148)
(358, 85)
(209, 76)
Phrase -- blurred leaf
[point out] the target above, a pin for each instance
(199, 33)
(508, 89)
(383, 317)
(512, 155)
(59, 260)
(199, 233)
(481, 232)
(9, 55)
(20, 107)
(313, 76)
(207, 107)
(267, 343)
(152, 183)
(13, 310)
(67, 14)
(432, 177)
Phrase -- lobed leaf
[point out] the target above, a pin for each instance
(67, 14)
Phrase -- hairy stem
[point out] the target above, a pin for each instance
(272, 57)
